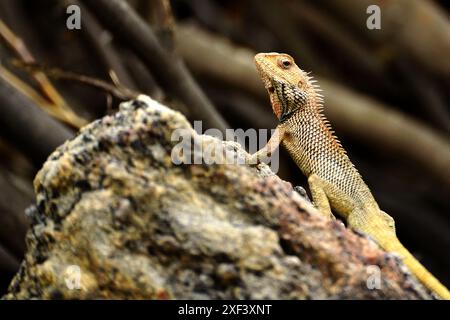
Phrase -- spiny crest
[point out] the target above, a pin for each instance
(316, 92)
(319, 98)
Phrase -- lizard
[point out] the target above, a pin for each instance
(334, 182)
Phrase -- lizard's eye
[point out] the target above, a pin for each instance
(284, 63)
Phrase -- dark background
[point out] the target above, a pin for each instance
(404, 67)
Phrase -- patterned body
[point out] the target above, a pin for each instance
(316, 151)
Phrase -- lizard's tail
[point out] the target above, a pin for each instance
(424, 276)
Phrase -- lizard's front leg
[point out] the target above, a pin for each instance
(319, 196)
(268, 149)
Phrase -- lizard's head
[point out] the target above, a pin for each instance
(289, 87)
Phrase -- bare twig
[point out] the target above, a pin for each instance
(27, 91)
(116, 89)
(58, 106)
(22, 52)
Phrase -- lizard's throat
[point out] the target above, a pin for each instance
(286, 99)
(276, 106)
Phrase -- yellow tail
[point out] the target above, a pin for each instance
(419, 271)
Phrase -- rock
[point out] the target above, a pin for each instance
(116, 218)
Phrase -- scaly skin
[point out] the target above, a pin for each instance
(334, 182)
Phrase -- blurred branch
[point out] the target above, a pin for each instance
(202, 50)
(339, 42)
(163, 22)
(125, 23)
(212, 16)
(131, 73)
(22, 52)
(241, 106)
(353, 114)
(283, 26)
(415, 28)
(16, 195)
(14, 161)
(24, 123)
(141, 75)
(8, 263)
(27, 91)
(31, 94)
(429, 99)
(58, 106)
(416, 34)
(102, 42)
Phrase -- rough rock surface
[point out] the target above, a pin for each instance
(112, 203)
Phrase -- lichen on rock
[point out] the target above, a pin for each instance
(115, 218)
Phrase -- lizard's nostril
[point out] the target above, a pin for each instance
(271, 89)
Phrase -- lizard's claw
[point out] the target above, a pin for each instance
(252, 160)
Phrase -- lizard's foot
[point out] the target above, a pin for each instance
(253, 160)
(316, 186)
(373, 222)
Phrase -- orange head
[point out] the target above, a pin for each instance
(289, 87)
